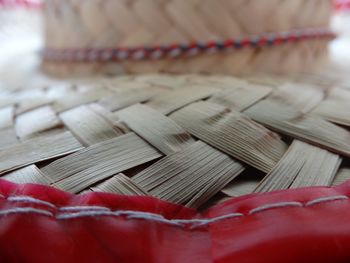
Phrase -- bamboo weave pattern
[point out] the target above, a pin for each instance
(188, 139)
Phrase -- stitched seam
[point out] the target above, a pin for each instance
(272, 206)
(83, 208)
(25, 210)
(65, 213)
(28, 199)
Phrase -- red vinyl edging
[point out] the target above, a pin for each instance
(42, 224)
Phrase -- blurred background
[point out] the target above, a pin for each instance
(21, 37)
(340, 23)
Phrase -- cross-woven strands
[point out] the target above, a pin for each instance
(157, 129)
(119, 184)
(302, 165)
(28, 174)
(232, 133)
(197, 169)
(36, 150)
(188, 139)
(89, 126)
(100, 161)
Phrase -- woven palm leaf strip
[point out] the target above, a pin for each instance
(188, 139)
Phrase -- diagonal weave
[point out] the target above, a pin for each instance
(189, 139)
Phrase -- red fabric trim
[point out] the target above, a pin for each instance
(319, 232)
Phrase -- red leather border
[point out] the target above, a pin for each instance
(299, 225)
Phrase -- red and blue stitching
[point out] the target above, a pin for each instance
(183, 50)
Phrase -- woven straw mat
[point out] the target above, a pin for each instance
(188, 139)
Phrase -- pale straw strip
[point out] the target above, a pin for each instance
(88, 126)
(302, 165)
(302, 126)
(191, 176)
(342, 176)
(170, 101)
(78, 171)
(232, 133)
(38, 120)
(119, 184)
(36, 150)
(28, 174)
(336, 107)
(159, 130)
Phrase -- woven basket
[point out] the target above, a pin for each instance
(189, 139)
(185, 36)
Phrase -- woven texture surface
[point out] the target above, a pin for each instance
(75, 24)
(189, 139)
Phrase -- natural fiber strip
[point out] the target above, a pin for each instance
(240, 97)
(298, 96)
(73, 99)
(192, 175)
(28, 174)
(268, 80)
(302, 165)
(213, 186)
(336, 107)
(88, 126)
(7, 137)
(119, 184)
(6, 117)
(84, 168)
(35, 121)
(232, 133)
(103, 112)
(110, 117)
(162, 80)
(127, 98)
(309, 128)
(30, 99)
(320, 78)
(217, 81)
(342, 176)
(36, 150)
(170, 101)
(242, 185)
(159, 130)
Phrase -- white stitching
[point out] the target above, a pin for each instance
(128, 214)
(154, 217)
(65, 216)
(201, 222)
(25, 210)
(216, 219)
(84, 208)
(273, 206)
(326, 199)
(28, 199)
(94, 211)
